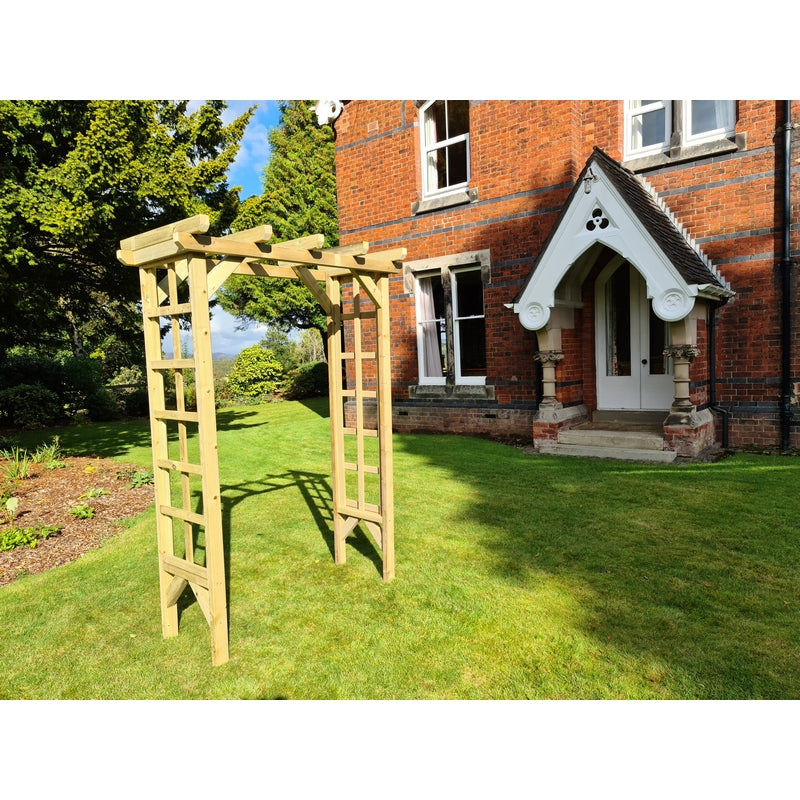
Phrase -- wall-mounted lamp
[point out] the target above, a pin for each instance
(587, 180)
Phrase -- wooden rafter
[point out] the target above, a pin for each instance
(179, 253)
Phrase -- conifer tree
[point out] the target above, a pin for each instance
(299, 198)
(78, 176)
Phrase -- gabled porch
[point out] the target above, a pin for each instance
(620, 298)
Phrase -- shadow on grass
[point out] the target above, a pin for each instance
(122, 438)
(319, 405)
(318, 497)
(688, 566)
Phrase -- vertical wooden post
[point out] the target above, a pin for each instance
(334, 291)
(384, 365)
(158, 433)
(207, 434)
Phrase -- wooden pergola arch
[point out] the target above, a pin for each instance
(179, 255)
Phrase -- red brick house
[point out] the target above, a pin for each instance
(582, 273)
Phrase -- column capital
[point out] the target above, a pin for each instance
(685, 352)
(548, 355)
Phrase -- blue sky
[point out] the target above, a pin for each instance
(246, 171)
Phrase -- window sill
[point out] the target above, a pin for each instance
(459, 198)
(678, 154)
(430, 391)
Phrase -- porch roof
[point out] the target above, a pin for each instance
(671, 261)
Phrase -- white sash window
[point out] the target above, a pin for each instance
(657, 126)
(445, 146)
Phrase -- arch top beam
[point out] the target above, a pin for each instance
(178, 240)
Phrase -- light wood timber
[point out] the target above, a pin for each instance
(158, 435)
(186, 569)
(180, 466)
(173, 363)
(313, 286)
(261, 233)
(182, 513)
(202, 595)
(384, 364)
(175, 589)
(156, 311)
(334, 292)
(315, 258)
(197, 224)
(207, 435)
(370, 287)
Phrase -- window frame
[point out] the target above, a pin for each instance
(457, 319)
(426, 149)
(423, 377)
(678, 140)
(640, 111)
(448, 269)
(712, 134)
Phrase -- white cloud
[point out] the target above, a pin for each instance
(226, 335)
(228, 338)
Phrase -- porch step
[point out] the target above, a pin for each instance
(589, 434)
(654, 418)
(607, 452)
(620, 435)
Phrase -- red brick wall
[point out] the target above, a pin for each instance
(525, 157)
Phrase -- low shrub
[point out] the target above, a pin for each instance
(307, 380)
(29, 406)
(25, 537)
(255, 374)
(84, 388)
(76, 382)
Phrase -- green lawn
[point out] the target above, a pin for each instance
(518, 576)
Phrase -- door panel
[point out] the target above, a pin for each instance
(632, 372)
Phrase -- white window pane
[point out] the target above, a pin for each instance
(648, 129)
(431, 338)
(445, 145)
(470, 324)
(710, 115)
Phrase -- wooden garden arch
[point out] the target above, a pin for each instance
(180, 269)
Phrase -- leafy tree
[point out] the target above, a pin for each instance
(299, 198)
(281, 346)
(310, 347)
(78, 176)
(255, 373)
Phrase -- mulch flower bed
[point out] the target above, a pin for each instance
(45, 498)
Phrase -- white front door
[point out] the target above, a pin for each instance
(632, 371)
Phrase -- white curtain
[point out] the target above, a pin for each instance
(431, 351)
(710, 115)
(432, 173)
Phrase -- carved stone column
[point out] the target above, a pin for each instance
(548, 359)
(682, 356)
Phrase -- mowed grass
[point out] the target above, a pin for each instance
(518, 576)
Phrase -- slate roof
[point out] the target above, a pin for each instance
(690, 262)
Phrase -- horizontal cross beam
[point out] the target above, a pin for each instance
(185, 243)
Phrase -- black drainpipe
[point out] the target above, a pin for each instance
(786, 291)
(712, 378)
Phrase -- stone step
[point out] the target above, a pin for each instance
(607, 452)
(592, 436)
(630, 417)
